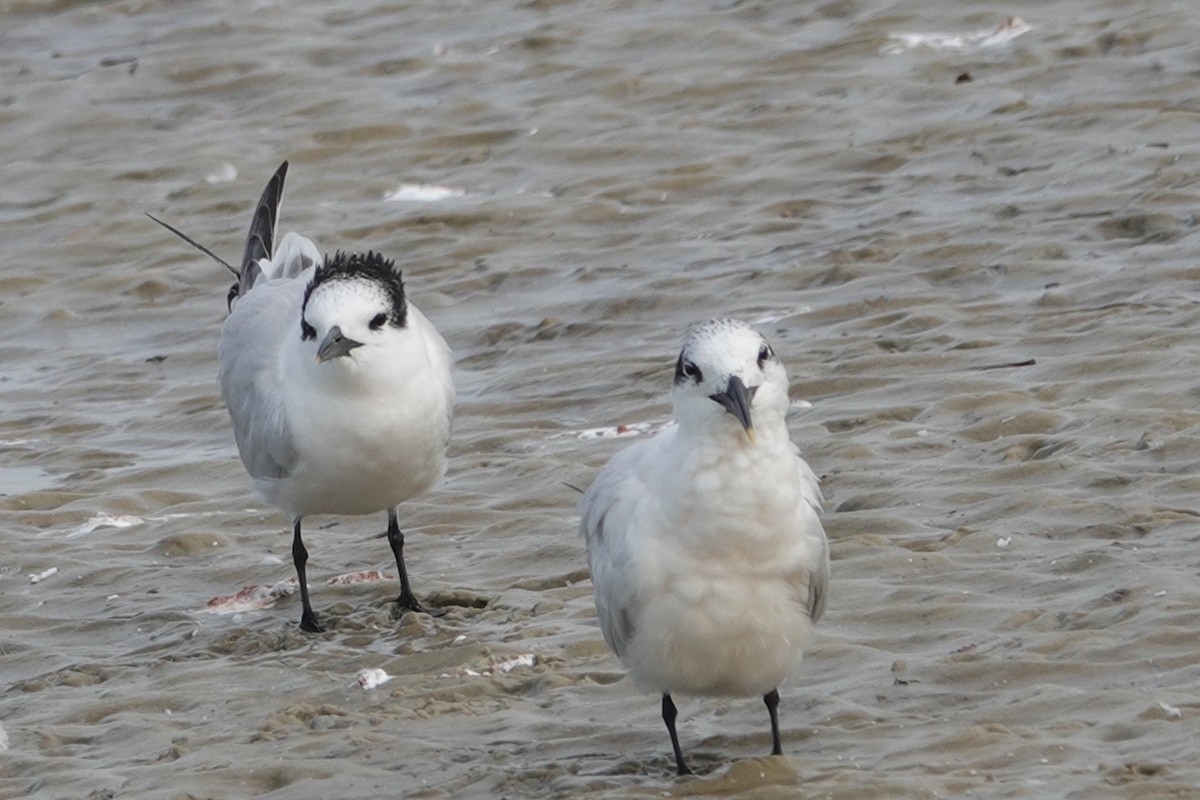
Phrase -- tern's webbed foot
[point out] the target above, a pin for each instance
(309, 624)
(409, 602)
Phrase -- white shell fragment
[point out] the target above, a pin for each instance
(371, 678)
(495, 667)
(422, 193)
(106, 521)
(1173, 712)
(618, 431)
(38, 577)
(1005, 32)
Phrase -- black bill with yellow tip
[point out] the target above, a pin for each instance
(736, 399)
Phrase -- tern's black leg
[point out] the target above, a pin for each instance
(669, 713)
(308, 620)
(771, 698)
(395, 536)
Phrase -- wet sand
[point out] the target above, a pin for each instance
(976, 257)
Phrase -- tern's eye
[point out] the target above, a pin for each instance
(377, 321)
(690, 370)
(764, 353)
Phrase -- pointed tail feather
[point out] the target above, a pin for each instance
(194, 244)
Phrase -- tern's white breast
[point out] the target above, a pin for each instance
(724, 551)
(369, 435)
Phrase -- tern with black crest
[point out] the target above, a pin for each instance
(339, 389)
(709, 562)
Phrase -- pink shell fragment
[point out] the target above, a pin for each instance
(365, 576)
(251, 598)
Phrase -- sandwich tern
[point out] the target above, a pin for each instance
(339, 389)
(709, 563)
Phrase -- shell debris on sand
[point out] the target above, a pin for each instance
(38, 577)
(1172, 712)
(775, 316)
(106, 521)
(251, 598)
(372, 678)
(258, 597)
(363, 576)
(496, 667)
(1005, 32)
(222, 173)
(423, 193)
(619, 431)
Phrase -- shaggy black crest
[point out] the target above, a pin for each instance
(369, 266)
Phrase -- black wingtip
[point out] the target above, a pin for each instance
(260, 240)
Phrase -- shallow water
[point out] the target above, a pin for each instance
(1014, 599)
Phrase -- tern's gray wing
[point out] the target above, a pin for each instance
(818, 583)
(260, 241)
(818, 576)
(250, 380)
(608, 514)
(438, 352)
